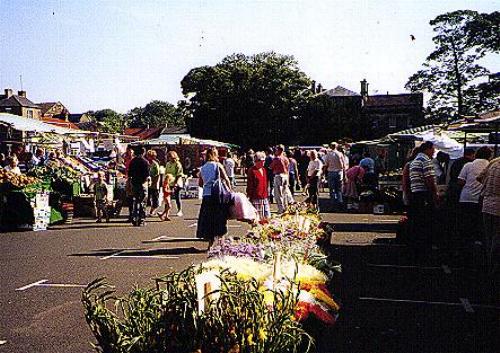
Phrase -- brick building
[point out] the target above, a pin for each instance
(19, 105)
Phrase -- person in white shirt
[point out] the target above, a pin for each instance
(12, 165)
(313, 177)
(471, 191)
(229, 165)
(334, 167)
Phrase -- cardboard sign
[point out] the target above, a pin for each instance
(207, 287)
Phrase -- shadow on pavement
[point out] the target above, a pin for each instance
(141, 252)
(364, 227)
(407, 307)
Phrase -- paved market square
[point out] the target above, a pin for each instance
(388, 303)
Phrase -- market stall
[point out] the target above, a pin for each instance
(187, 147)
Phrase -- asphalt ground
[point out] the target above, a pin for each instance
(388, 303)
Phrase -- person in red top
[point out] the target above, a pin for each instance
(279, 166)
(257, 186)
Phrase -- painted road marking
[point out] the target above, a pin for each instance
(62, 285)
(145, 257)
(28, 286)
(409, 301)
(463, 302)
(112, 255)
(158, 238)
(43, 283)
(444, 267)
(164, 237)
(466, 304)
(2, 342)
(234, 226)
(192, 225)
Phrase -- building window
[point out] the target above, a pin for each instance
(392, 122)
(30, 113)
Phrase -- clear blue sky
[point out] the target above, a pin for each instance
(122, 54)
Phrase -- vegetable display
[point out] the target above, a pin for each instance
(61, 178)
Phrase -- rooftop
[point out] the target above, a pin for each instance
(18, 101)
(403, 99)
(339, 91)
(144, 133)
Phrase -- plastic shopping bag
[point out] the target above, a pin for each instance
(242, 209)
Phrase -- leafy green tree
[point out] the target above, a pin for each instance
(483, 32)
(155, 114)
(248, 100)
(325, 120)
(109, 121)
(451, 71)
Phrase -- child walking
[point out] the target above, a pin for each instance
(101, 197)
(167, 192)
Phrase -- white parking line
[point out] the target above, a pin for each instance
(112, 255)
(234, 226)
(145, 257)
(28, 286)
(444, 268)
(409, 301)
(406, 266)
(164, 237)
(43, 283)
(2, 342)
(62, 285)
(158, 238)
(466, 304)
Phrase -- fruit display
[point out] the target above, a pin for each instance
(12, 181)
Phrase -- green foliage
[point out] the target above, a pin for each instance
(484, 32)
(325, 119)
(109, 121)
(155, 114)
(166, 319)
(450, 72)
(248, 100)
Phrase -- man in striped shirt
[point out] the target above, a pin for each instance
(490, 178)
(423, 199)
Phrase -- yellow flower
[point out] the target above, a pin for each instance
(250, 340)
(262, 334)
(320, 295)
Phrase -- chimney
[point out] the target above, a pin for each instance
(364, 88)
(21, 94)
(8, 93)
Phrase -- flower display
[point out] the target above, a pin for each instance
(294, 236)
(252, 295)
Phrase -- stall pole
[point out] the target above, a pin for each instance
(496, 139)
(465, 142)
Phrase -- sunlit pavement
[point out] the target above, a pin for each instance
(389, 304)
